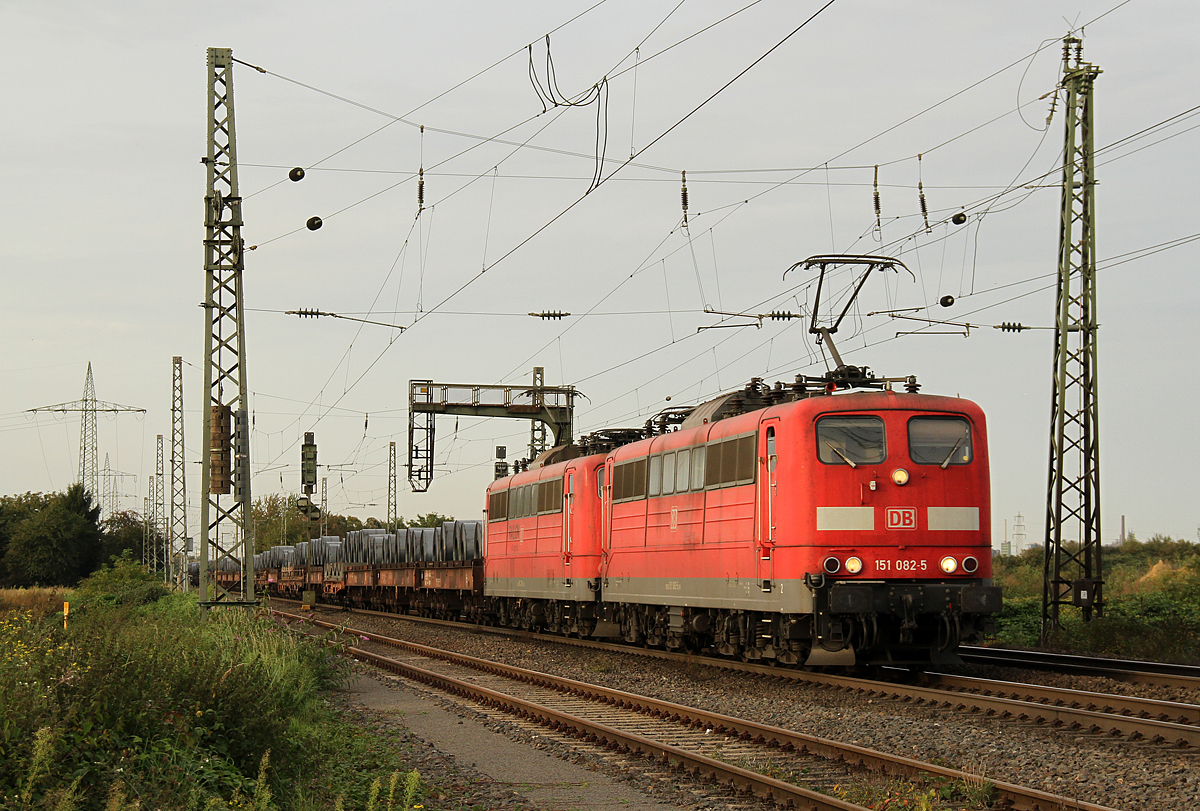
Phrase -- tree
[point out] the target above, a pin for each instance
(14, 510)
(429, 520)
(339, 525)
(277, 522)
(123, 531)
(56, 542)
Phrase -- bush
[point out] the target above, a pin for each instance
(150, 701)
(125, 582)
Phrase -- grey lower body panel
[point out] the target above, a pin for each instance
(534, 588)
(782, 596)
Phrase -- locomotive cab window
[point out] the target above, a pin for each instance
(851, 440)
(940, 441)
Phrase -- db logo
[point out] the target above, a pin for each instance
(901, 518)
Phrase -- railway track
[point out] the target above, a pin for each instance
(788, 767)
(1163, 674)
(1136, 719)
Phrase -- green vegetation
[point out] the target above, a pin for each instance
(49, 540)
(1152, 603)
(140, 703)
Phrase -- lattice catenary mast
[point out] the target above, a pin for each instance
(1073, 572)
(177, 537)
(391, 495)
(161, 524)
(226, 531)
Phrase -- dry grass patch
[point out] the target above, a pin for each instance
(38, 601)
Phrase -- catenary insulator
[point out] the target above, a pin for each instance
(921, 195)
(421, 189)
(1012, 326)
(684, 197)
(878, 223)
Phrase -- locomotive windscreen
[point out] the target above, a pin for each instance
(851, 440)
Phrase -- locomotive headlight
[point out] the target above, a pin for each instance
(900, 476)
(949, 565)
(853, 565)
(970, 565)
(831, 565)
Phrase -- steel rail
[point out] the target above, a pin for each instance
(1058, 715)
(597, 733)
(1016, 797)
(1134, 706)
(1126, 670)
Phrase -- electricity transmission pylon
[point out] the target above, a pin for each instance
(110, 500)
(227, 529)
(1073, 572)
(89, 406)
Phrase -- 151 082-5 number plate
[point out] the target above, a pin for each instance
(901, 565)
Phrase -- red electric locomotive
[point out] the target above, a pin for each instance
(824, 530)
(802, 525)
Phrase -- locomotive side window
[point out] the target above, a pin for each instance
(600, 473)
(730, 461)
(498, 506)
(668, 474)
(629, 480)
(712, 473)
(549, 496)
(655, 475)
(698, 465)
(940, 441)
(851, 441)
(745, 459)
(683, 464)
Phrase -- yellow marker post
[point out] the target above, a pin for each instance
(66, 610)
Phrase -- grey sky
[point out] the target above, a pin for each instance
(102, 222)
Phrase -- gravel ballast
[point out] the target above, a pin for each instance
(1111, 772)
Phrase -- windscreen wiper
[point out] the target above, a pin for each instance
(946, 461)
(833, 448)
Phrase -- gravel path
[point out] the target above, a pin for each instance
(1114, 773)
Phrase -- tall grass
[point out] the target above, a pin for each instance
(37, 601)
(143, 704)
